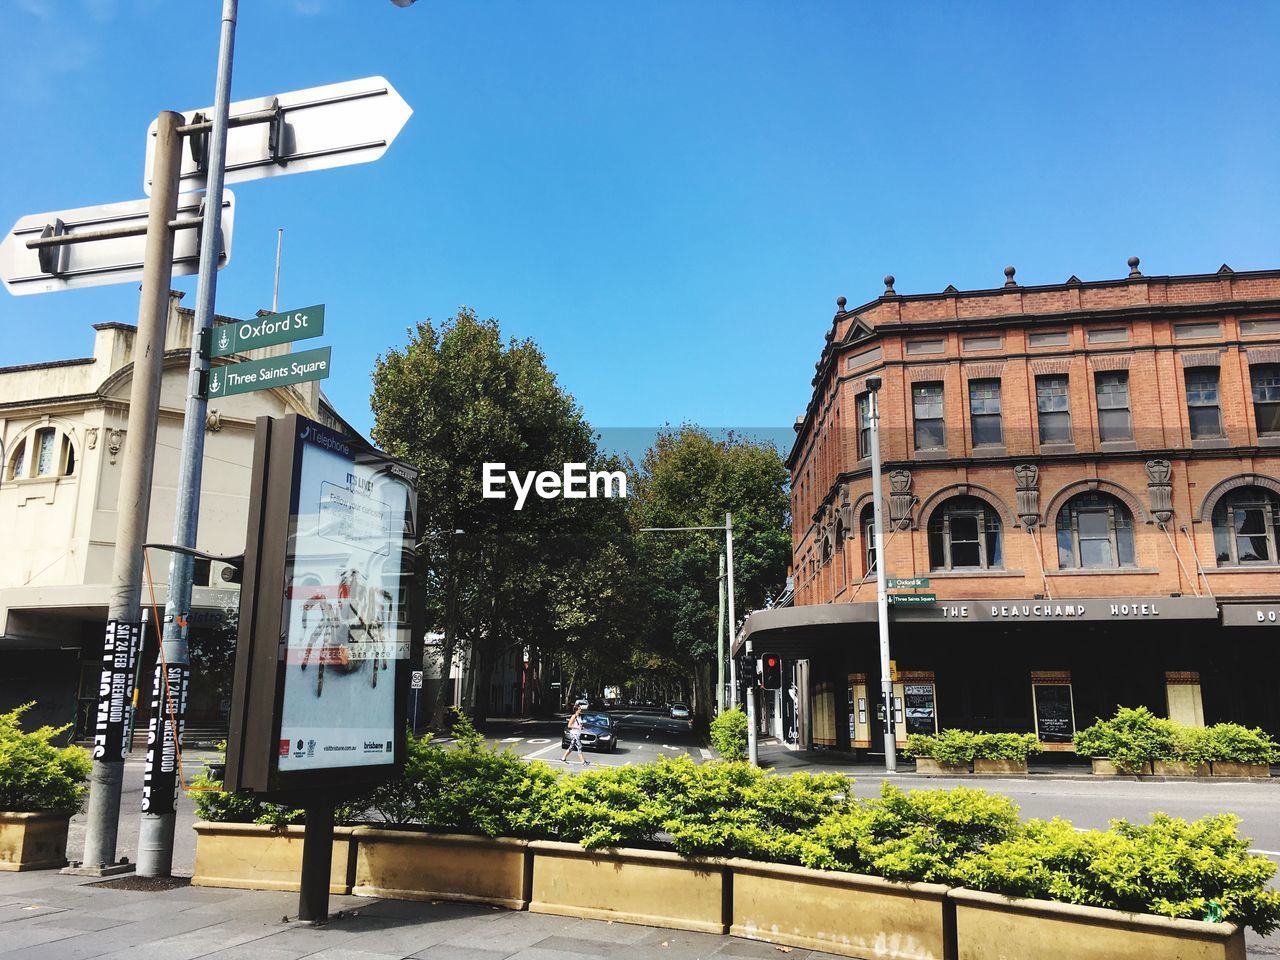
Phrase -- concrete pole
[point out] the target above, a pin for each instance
(720, 630)
(134, 504)
(155, 835)
(753, 748)
(882, 593)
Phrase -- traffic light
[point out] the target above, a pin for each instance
(771, 671)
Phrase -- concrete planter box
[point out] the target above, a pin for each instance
(1102, 767)
(250, 856)
(1225, 768)
(841, 913)
(994, 927)
(33, 841)
(1008, 767)
(426, 866)
(652, 887)
(930, 766)
(1176, 768)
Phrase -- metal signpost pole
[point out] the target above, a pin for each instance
(720, 644)
(753, 752)
(134, 504)
(882, 594)
(155, 838)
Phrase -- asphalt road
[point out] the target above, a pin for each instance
(642, 736)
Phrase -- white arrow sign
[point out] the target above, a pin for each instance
(331, 126)
(97, 262)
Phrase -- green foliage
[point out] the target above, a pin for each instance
(729, 734)
(34, 774)
(964, 746)
(911, 835)
(1134, 737)
(1168, 867)
(1131, 739)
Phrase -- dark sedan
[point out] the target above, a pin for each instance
(598, 733)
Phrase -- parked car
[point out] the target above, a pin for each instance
(599, 732)
(679, 711)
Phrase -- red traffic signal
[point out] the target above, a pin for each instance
(771, 671)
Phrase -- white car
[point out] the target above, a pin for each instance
(679, 711)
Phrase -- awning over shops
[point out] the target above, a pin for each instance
(1260, 614)
(805, 630)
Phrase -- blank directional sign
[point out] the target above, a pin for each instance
(315, 129)
(97, 262)
(274, 372)
(274, 328)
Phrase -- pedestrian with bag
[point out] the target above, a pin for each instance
(575, 736)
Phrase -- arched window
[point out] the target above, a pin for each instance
(45, 452)
(1244, 527)
(1095, 530)
(867, 524)
(964, 533)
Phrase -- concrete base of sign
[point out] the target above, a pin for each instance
(652, 887)
(1102, 767)
(841, 913)
(931, 767)
(1017, 768)
(993, 927)
(425, 866)
(1176, 768)
(1225, 768)
(115, 870)
(33, 841)
(249, 856)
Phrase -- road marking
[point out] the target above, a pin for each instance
(538, 753)
(539, 740)
(511, 739)
(1267, 853)
(706, 754)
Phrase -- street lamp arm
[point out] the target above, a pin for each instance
(672, 529)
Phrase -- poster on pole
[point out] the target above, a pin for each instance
(120, 649)
(327, 614)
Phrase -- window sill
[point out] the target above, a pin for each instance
(1103, 571)
(931, 455)
(1245, 568)
(1051, 448)
(991, 450)
(1117, 446)
(970, 574)
(1211, 443)
(1269, 440)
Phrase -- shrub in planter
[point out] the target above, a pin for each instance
(965, 746)
(34, 774)
(910, 835)
(1131, 739)
(729, 734)
(1232, 743)
(1169, 867)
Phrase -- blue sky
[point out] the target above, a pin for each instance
(668, 196)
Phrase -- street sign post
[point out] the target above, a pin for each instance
(268, 331)
(101, 245)
(281, 371)
(315, 129)
(907, 583)
(901, 599)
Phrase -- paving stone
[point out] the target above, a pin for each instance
(445, 951)
(758, 948)
(567, 945)
(26, 910)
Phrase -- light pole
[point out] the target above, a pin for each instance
(882, 596)
(753, 754)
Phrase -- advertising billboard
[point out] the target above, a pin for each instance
(327, 614)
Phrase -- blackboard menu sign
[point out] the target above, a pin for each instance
(1055, 720)
(920, 709)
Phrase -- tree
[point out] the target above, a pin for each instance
(451, 400)
(690, 478)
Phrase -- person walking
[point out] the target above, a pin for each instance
(575, 736)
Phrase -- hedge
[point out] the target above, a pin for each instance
(34, 774)
(965, 746)
(1135, 737)
(729, 808)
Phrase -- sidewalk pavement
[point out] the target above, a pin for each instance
(47, 916)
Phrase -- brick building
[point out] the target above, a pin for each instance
(1088, 474)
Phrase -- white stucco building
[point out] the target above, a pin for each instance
(63, 427)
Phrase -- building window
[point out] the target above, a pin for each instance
(864, 425)
(868, 525)
(18, 463)
(964, 533)
(1095, 531)
(1049, 338)
(1114, 421)
(926, 404)
(1244, 527)
(1266, 397)
(46, 452)
(1203, 411)
(1054, 408)
(984, 413)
